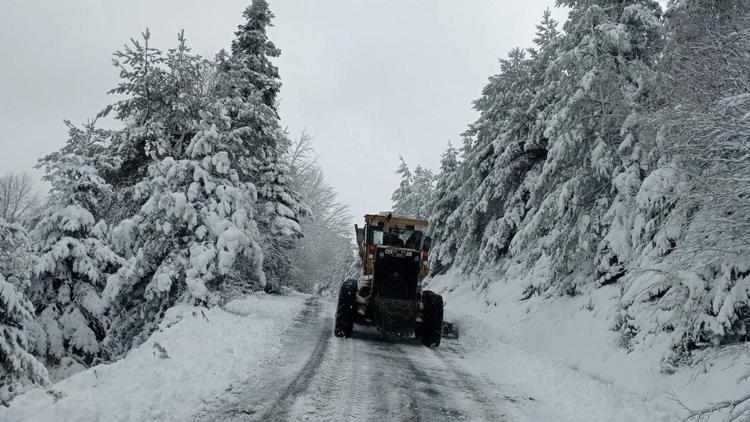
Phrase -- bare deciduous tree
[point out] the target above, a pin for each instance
(18, 198)
(326, 251)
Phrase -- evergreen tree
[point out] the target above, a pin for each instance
(692, 208)
(252, 52)
(414, 194)
(422, 191)
(599, 77)
(74, 259)
(248, 84)
(444, 202)
(18, 367)
(495, 157)
(162, 95)
(402, 195)
(194, 234)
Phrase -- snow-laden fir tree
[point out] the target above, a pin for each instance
(18, 367)
(444, 201)
(415, 193)
(402, 196)
(189, 231)
(423, 186)
(248, 84)
(553, 134)
(693, 208)
(598, 77)
(74, 259)
(194, 233)
(161, 95)
(495, 156)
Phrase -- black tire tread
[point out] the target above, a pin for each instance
(432, 319)
(346, 309)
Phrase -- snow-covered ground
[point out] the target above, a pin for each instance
(195, 355)
(564, 350)
(275, 357)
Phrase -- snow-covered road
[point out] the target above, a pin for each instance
(274, 358)
(321, 377)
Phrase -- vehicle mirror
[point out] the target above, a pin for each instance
(360, 234)
(427, 243)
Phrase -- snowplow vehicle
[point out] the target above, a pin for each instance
(394, 253)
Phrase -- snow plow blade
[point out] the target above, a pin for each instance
(450, 330)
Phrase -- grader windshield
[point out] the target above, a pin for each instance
(406, 238)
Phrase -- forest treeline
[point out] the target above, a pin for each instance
(614, 151)
(198, 196)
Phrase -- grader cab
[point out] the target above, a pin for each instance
(394, 252)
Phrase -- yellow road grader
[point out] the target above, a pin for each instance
(394, 252)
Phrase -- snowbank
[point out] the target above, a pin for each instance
(195, 354)
(563, 352)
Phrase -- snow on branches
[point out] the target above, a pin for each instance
(18, 367)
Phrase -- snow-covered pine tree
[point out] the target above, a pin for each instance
(414, 195)
(248, 83)
(598, 77)
(161, 97)
(693, 208)
(402, 196)
(494, 157)
(546, 41)
(444, 201)
(446, 229)
(423, 187)
(142, 84)
(194, 233)
(502, 154)
(74, 260)
(18, 367)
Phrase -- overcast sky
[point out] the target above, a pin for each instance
(370, 80)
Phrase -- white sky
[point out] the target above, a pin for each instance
(370, 80)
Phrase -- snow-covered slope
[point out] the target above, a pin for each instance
(525, 340)
(195, 354)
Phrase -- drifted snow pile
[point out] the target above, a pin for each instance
(605, 162)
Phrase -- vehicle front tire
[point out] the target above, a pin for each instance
(346, 309)
(431, 328)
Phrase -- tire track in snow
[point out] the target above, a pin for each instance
(265, 395)
(474, 388)
(391, 380)
(328, 395)
(439, 393)
(320, 377)
(279, 410)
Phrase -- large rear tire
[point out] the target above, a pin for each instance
(346, 309)
(431, 328)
